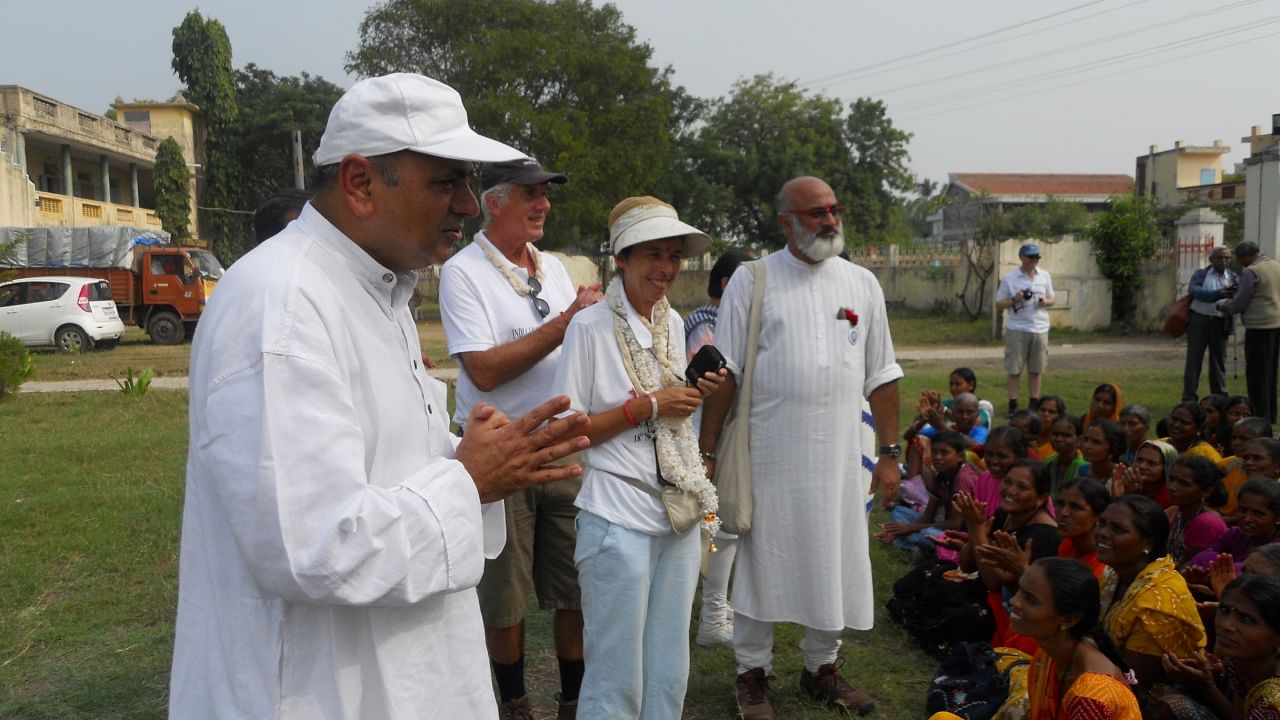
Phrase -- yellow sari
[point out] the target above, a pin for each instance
(1156, 614)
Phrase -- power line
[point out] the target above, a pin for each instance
(1019, 96)
(1068, 48)
(955, 42)
(858, 73)
(1085, 67)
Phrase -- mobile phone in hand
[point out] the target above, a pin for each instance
(707, 360)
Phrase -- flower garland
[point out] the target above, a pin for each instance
(679, 459)
(519, 285)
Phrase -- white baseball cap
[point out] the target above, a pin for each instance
(405, 111)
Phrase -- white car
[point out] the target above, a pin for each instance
(69, 313)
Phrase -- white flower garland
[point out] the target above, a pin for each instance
(679, 459)
(517, 283)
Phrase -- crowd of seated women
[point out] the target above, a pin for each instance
(1139, 574)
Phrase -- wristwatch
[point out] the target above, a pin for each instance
(892, 451)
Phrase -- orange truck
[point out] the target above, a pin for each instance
(164, 293)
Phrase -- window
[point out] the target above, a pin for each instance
(140, 119)
(100, 290)
(45, 291)
(1208, 176)
(13, 295)
(1229, 192)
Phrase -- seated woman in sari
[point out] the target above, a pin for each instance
(1194, 485)
(1258, 510)
(1022, 520)
(1149, 473)
(1147, 609)
(1077, 672)
(1246, 683)
(1244, 431)
(1185, 425)
(1107, 399)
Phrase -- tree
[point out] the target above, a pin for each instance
(1124, 235)
(768, 131)
(173, 202)
(271, 107)
(202, 60)
(563, 81)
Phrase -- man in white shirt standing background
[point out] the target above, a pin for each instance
(1028, 291)
(505, 308)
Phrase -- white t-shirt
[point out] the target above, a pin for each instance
(591, 373)
(1030, 316)
(480, 310)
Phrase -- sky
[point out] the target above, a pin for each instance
(1034, 86)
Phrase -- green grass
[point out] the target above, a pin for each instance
(922, 328)
(90, 508)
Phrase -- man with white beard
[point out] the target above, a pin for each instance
(824, 350)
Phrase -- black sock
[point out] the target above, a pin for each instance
(570, 678)
(510, 679)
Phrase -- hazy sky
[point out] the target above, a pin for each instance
(1085, 90)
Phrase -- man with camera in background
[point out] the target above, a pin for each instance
(1209, 327)
(1028, 293)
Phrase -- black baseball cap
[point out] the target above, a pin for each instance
(525, 171)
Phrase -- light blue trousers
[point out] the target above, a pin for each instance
(637, 598)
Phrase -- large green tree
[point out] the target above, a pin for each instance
(173, 201)
(768, 131)
(271, 108)
(202, 60)
(562, 80)
(1124, 235)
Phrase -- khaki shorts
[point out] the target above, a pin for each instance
(1025, 351)
(538, 556)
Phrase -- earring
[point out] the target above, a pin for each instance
(1146, 551)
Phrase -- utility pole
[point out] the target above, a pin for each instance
(299, 181)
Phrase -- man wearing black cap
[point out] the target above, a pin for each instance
(505, 308)
(1028, 292)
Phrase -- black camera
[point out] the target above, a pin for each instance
(1027, 294)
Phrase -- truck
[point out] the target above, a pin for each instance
(164, 292)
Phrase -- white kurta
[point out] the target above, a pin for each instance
(806, 557)
(330, 542)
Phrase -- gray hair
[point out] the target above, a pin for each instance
(966, 398)
(499, 193)
(326, 176)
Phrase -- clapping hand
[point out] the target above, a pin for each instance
(1004, 554)
(1222, 570)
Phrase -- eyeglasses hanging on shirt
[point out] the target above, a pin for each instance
(535, 289)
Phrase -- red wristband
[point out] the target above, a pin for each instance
(627, 411)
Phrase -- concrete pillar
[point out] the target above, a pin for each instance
(133, 183)
(106, 177)
(20, 150)
(1262, 201)
(68, 180)
(1199, 232)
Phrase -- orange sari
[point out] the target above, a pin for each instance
(1093, 696)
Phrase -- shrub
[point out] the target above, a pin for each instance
(15, 364)
(136, 386)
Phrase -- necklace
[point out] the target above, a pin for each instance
(517, 283)
(679, 460)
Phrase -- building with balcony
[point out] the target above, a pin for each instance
(1167, 175)
(61, 166)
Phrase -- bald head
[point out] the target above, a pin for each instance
(793, 192)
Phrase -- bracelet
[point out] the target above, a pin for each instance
(653, 406)
(626, 410)
(708, 455)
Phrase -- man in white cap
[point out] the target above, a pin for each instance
(333, 530)
(1028, 291)
(505, 308)
(824, 353)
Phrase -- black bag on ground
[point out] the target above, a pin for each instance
(968, 683)
(937, 613)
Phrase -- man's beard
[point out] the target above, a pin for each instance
(816, 247)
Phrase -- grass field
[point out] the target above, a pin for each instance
(90, 505)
